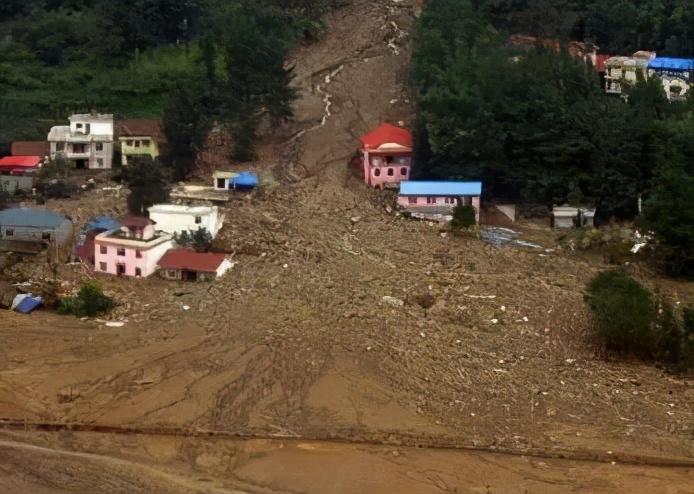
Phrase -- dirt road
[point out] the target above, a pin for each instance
(299, 341)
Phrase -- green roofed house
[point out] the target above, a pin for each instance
(30, 229)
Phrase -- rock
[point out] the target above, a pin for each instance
(355, 219)
(392, 301)
(424, 300)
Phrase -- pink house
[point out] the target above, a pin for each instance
(385, 157)
(133, 250)
(437, 199)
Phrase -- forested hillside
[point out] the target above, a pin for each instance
(536, 126)
(126, 56)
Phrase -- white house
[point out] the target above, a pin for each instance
(176, 219)
(87, 142)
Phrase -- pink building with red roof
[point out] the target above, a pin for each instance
(133, 250)
(385, 157)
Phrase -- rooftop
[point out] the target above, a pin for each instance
(32, 217)
(442, 188)
(668, 63)
(30, 148)
(91, 116)
(136, 221)
(192, 261)
(20, 161)
(181, 209)
(387, 134)
(140, 127)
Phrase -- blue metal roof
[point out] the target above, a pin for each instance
(37, 218)
(667, 63)
(449, 188)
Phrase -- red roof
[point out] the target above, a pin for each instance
(385, 134)
(183, 259)
(20, 161)
(136, 221)
(141, 127)
(30, 148)
(600, 62)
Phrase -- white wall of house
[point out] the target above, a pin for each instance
(175, 219)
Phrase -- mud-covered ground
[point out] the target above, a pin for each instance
(298, 340)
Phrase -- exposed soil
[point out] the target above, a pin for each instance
(299, 341)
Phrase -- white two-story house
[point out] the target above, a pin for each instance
(86, 143)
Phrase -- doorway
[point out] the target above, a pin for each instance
(120, 269)
(190, 276)
(80, 164)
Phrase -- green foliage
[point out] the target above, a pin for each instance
(630, 320)
(200, 240)
(89, 302)
(463, 217)
(147, 181)
(624, 312)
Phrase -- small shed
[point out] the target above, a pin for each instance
(40, 226)
(564, 217)
(188, 265)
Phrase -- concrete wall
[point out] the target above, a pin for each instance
(423, 202)
(182, 219)
(129, 147)
(11, 184)
(378, 173)
(62, 234)
(97, 126)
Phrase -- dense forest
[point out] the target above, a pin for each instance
(130, 56)
(536, 126)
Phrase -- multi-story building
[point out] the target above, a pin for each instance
(139, 137)
(86, 143)
(676, 75)
(176, 218)
(385, 157)
(133, 250)
(622, 72)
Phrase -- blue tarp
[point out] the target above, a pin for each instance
(245, 180)
(29, 304)
(102, 223)
(440, 189)
(675, 64)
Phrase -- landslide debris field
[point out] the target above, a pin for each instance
(339, 320)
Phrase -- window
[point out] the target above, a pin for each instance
(46, 236)
(198, 220)
(100, 162)
(103, 249)
(60, 146)
(412, 200)
(79, 126)
(391, 172)
(146, 143)
(431, 200)
(138, 254)
(450, 200)
(9, 232)
(78, 148)
(137, 144)
(129, 142)
(377, 172)
(121, 252)
(138, 272)
(102, 266)
(403, 171)
(99, 146)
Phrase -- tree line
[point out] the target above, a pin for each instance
(537, 128)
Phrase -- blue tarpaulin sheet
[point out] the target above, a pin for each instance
(29, 304)
(247, 180)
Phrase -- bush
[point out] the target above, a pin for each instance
(200, 240)
(90, 301)
(624, 311)
(463, 217)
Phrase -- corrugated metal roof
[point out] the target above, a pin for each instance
(386, 134)
(37, 218)
(442, 188)
(667, 63)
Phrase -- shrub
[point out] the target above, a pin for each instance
(463, 217)
(624, 312)
(200, 240)
(90, 301)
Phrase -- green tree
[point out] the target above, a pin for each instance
(200, 240)
(89, 302)
(624, 313)
(147, 182)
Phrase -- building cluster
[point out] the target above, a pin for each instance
(384, 160)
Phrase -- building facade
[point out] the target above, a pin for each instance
(176, 219)
(133, 250)
(438, 199)
(187, 265)
(33, 225)
(385, 157)
(139, 137)
(87, 143)
(623, 72)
